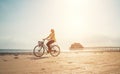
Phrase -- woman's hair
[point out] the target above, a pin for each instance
(52, 30)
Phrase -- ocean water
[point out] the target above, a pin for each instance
(15, 50)
(90, 49)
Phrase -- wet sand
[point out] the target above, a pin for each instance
(66, 63)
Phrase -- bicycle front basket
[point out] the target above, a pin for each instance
(40, 43)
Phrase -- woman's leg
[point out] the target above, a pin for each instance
(49, 43)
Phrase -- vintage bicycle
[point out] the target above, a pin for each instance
(40, 49)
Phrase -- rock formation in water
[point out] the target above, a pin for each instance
(76, 46)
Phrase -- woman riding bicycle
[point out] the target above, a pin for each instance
(53, 49)
(51, 39)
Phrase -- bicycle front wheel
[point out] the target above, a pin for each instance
(38, 51)
(55, 50)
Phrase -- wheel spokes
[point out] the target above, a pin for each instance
(55, 51)
(38, 51)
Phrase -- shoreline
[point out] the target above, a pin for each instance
(71, 51)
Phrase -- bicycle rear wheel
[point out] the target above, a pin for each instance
(55, 50)
(38, 51)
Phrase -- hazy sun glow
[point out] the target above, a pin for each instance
(90, 22)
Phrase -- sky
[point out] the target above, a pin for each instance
(89, 22)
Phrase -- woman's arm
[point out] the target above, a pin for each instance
(49, 36)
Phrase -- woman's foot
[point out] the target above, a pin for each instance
(48, 51)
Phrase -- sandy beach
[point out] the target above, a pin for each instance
(66, 63)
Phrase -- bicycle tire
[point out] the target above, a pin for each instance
(40, 49)
(55, 49)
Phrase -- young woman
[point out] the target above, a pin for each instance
(51, 39)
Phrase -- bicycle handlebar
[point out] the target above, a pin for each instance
(43, 40)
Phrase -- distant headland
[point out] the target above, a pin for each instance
(76, 45)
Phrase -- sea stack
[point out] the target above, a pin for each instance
(76, 46)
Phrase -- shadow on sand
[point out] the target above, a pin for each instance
(37, 58)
